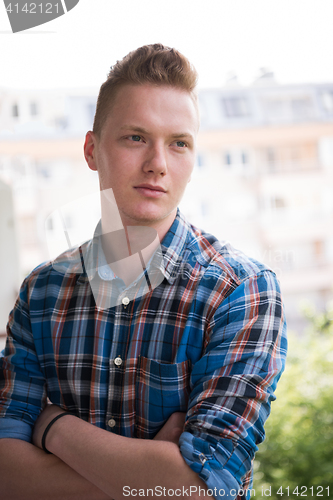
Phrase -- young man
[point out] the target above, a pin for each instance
(164, 393)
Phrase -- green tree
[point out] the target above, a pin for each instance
(298, 450)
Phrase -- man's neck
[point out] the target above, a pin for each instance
(128, 251)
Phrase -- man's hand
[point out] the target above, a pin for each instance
(172, 429)
(48, 414)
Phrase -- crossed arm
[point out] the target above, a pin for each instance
(91, 463)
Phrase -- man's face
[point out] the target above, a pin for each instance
(146, 151)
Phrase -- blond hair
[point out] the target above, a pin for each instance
(155, 64)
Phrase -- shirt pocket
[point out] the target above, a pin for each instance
(161, 389)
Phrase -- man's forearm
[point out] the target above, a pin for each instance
(28, 473)
(112, 462)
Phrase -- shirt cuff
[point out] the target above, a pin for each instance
(16, 429)
(219, 480)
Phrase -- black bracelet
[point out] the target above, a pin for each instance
(49, 427)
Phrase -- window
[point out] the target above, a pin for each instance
(236, 106)
(278, 108)
(302, 108)
(15, 110)
(245, 158)
(49, 224)
(28, 230)
(318, 248)
(61, 122)
(227, 158)
(271, 159)
(277, 203)
(327, 100)
(91, 109)
(33, 108)
(288, 107)
(204, 209)
(44, 169)
(200, 160)
(68, 221)
(18, 166)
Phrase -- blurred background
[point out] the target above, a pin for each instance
(263, 177)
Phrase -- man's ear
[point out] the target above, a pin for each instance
(89, 149)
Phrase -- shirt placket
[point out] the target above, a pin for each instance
(117, 363)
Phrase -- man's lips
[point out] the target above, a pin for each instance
(150, 191)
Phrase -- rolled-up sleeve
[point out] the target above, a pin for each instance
(233, 385)
(22, 384)
(17, 429)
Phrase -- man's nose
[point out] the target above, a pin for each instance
(156, 160)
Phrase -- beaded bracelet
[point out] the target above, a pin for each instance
(48, 428)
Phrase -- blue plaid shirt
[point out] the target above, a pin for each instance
(210, 341)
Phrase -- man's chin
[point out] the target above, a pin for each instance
(147, 217)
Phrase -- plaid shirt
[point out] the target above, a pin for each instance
(209, 340)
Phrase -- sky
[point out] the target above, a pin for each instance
(293, 38)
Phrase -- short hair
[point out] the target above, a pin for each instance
(155, 64)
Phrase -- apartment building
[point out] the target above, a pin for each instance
(41, 168)
(265, 180)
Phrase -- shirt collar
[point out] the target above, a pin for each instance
(94, 258)
(172, 246)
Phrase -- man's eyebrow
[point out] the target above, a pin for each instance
(182, 135)
(135, 128)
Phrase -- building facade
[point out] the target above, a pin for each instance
(266, 181)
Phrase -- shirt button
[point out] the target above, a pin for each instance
(125, 301)
(111, 422)
(118, 361)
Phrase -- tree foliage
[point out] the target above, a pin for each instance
(298, 449)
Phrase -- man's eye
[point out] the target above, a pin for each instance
(135, 138)
(181, 144)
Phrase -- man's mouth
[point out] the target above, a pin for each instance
(150, 190)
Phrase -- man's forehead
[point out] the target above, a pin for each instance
(141, 107)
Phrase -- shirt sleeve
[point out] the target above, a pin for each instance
(233, 385)
(22, 384)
